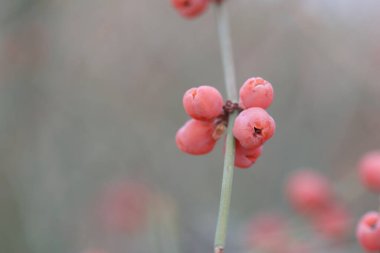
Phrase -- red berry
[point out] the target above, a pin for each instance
(203, 103)
(242, 162)
(253, 154)
(368, 231)
(333, 222)
(190, 8)
(369, 169)
(253, 127)
(256, 92)
(195, 137)
(267, 232)
(308, 191)
(245, 158)
(124, 207)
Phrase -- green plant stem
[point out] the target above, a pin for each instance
(226, 50)
(229, 158)
(225, 196)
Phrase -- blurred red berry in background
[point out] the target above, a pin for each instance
(308, 191)
(125, 206)
(267, 232)
(190, 8)
(368, 231)
(369, 170)
(334, 222)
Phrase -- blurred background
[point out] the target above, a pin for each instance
(91, 98)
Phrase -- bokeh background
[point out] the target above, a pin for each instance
(90, 94)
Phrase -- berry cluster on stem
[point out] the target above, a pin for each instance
(248, 126)
(252, 127)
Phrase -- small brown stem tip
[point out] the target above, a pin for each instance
(219, 250)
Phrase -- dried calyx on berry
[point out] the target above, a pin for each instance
(253, 127)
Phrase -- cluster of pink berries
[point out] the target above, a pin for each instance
(368, 229)
(252, 127)
(311, 194)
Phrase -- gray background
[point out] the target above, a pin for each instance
(90, 91)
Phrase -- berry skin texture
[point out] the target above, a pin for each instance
(190, 8)
(308, 191)
(253, 127)
(245, 158)
(256, 92)
(369, 170)
(203, 103)
(368, 231)
(195, 137)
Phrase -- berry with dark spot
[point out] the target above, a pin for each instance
(253, 127)
(368, 231)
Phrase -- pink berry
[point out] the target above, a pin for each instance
(242, 162)
(369, 169)
(190, 8)
(253, 127)
(203, 103)
(195, 137)
(245, 158)
(368, 231)
(253, 154)
(308, 191)
(267, 232)
(256, 92)
(124, 207)
(333, 222)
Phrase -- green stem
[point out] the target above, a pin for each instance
(226, 50)
(225, 196)
(229, 158)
